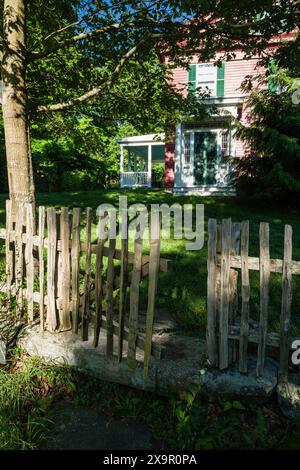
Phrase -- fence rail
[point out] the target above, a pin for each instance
(228, 258)
(60, 280)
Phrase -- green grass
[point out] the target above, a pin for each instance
(183, 291)
(27, 389)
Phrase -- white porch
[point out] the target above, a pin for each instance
(138, 155)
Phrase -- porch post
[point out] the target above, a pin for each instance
(122, 166)
(134, 160)
(128, 161)
(149, 165)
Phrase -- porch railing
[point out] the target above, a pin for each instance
(135, 179)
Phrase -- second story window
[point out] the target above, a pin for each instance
(207, 76)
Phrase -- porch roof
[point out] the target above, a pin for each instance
(140, 145)
(155, 139)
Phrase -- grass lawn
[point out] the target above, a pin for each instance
(183, 291)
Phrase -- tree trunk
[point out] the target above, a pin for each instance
(14, 104)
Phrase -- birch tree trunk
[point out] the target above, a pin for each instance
(14, 104)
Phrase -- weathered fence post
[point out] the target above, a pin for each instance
(75, 253)
(224, 301)
(51, 269)
(264, 295)
(211, 294)
(153, 278)
(244, 332)
(65, 319)
(42, 219)
(286, 304)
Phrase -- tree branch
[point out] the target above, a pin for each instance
(67, 42)
(97, 90)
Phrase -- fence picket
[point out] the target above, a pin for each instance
(233, 287)
(19, 267)
(42, 218)
(211, 293)
(29, 260)
(286, 303)
(9, 251)
(110, 298)
(99, 290)
(87, 278)
(224, 303)
(75, 253)
(264, 295)
(134, 298)
(244, 331)
(153, 278)
(65, 319)
(51, 269)
(123, 283)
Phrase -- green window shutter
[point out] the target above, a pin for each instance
(272, 68)
(192, 79)
(221, 79)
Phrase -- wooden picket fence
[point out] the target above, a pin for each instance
(228, 256)
(44, 278)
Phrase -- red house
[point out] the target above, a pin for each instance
(198, 161)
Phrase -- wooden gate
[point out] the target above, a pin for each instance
(59, 277)
(228, 257)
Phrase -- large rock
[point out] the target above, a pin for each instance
(244, 386)
(288, 396)
(183, 366)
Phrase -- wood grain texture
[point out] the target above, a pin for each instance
(264, 295)
(65, 314)
(244, 332)
(75, 254)
(87, 278)
(134, 299)
(51, 270)
(29, 262)
(123, 282)
(110, 298)
(152, 287)
(98, 291)
(42, 220)
(9, 249)
(224, 303)
(286, 303)
(211, 335)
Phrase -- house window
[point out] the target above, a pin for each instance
(207, 76)
(187, 148)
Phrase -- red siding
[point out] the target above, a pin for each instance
(169, 164)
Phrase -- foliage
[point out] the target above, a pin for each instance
(271, 166)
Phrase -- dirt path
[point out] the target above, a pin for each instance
(78, 427)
